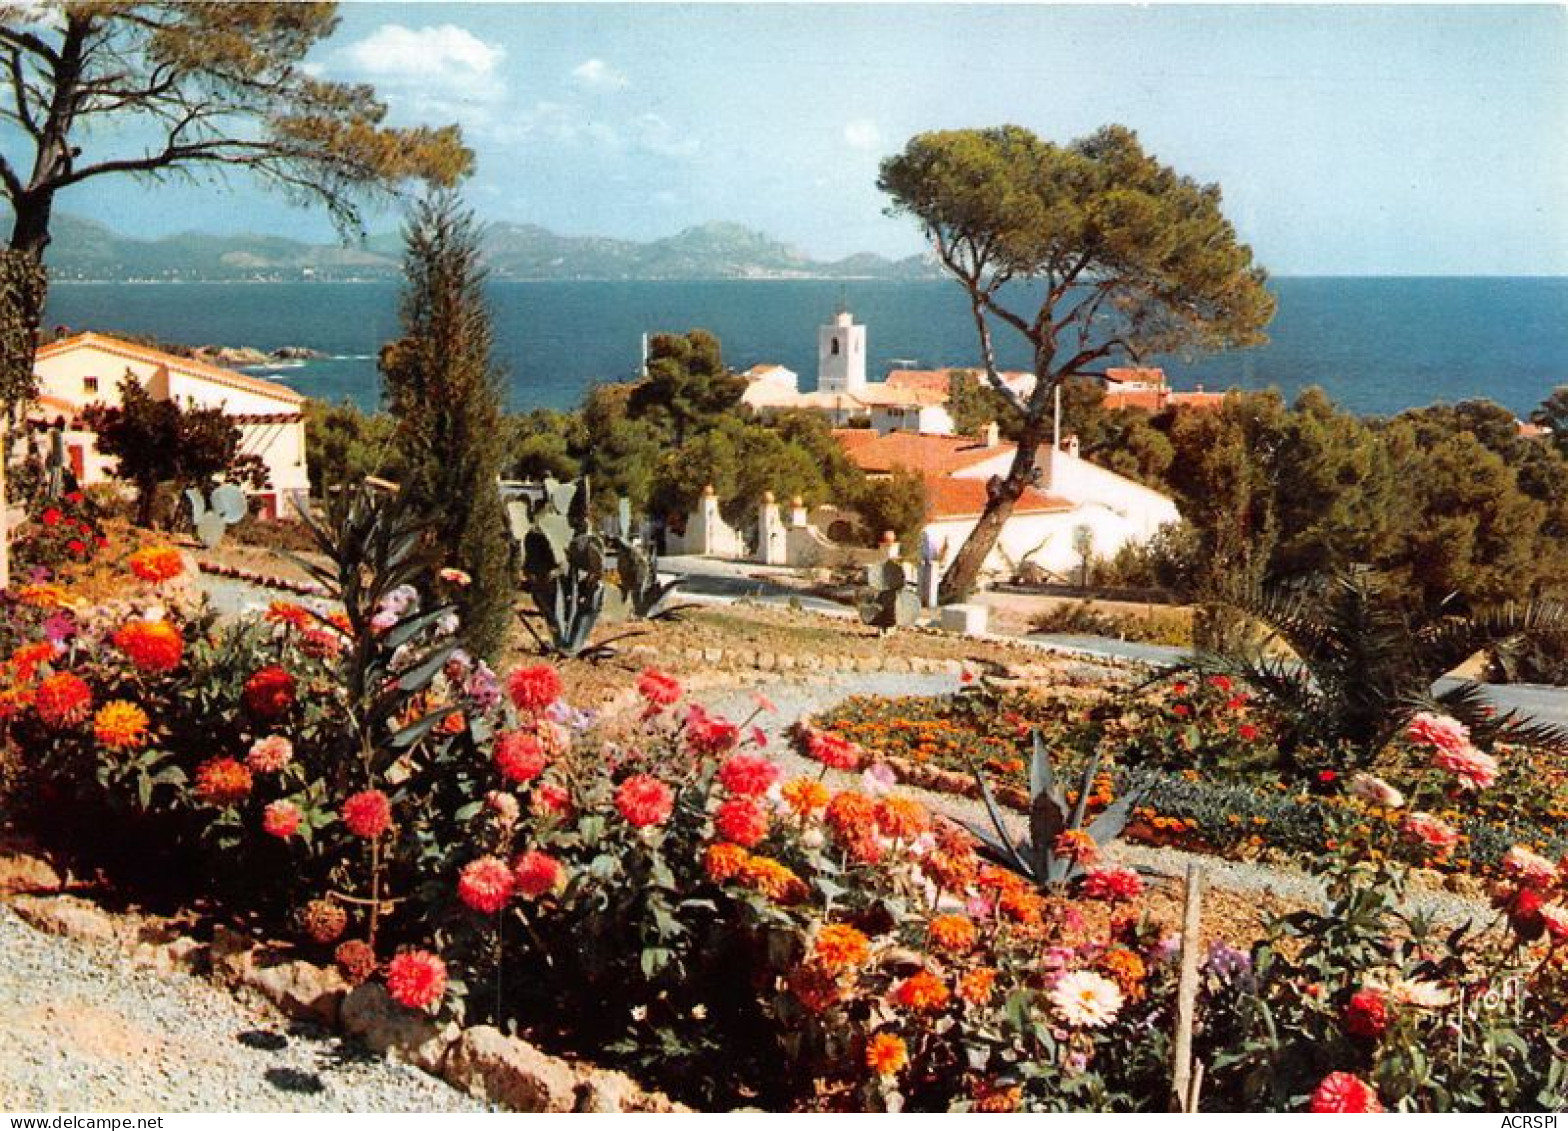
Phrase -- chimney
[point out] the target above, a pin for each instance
(990, 435)
(1070, 445)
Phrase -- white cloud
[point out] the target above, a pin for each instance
(862, 133)
(598, 73)
(429, 73)
(654, 135)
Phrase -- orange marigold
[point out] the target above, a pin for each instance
(923, 992)
(902, 818)
(1077, 845)
(996, 1099)
(723, 862)
(841, 947)
(119, 725)
(805, 796)
(222, 782)
(41, 596)
(152, 645)
(953, 933)
(156, 563)
(886, 1054)
(768, 877)
(975, 986)
(287, 612)
(62, 700)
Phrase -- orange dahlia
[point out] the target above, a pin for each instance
(156, 563)
(805, 795)
(975, 987)
(841, 947)
(886, 1054)
(953, 933)
(62, 700)
(119, 725)
(1126, 969)
(923, 992)
(902, 818)
(223, 782)
(154, 646)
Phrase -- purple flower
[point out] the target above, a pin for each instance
(483, 687)
(879, 779)
(59, 627)
(1167, 948)
(1228, 962)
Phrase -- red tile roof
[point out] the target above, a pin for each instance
(1150, 400)
(852, 438)
(950, 498)
(1146, 375)
(937, 380)
(106, 344)
(1196, 400)
(929, 455)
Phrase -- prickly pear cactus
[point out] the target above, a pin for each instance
(214, 514)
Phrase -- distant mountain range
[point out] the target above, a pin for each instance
(87, 250)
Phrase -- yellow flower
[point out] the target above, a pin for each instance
(119, 725)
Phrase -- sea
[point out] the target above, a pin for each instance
(1376, 345)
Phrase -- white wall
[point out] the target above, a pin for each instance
(1142, 509)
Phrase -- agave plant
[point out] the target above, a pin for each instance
(1362, 663)
(1050, 815)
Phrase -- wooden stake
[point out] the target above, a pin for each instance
(1184, 1081)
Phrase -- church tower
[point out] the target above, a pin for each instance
(841, 355)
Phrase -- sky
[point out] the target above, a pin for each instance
(1352, 140)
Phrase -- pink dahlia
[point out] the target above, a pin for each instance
(485, 884)
(1529, 868)
(416, 979)
(1439, 731)
(269, 755)
(1431, 831)
(709, 734)
(550, 800)
(833, 751)
(1474, 769)
(748, 774)
(281, 819)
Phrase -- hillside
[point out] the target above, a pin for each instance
(89, 251)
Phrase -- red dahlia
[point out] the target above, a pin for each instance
(63, 700)
(485, 884)
(416, 979)
(644, 800)
(281, 819)
(536, 874)
(1343, 1093)
(748, 774)
(534, 689)
(658, 689)
(742, 821)
(367, 814)
(268, 694)
(519, 756)
(1366, 1014)
(832, 751)
(709, 734)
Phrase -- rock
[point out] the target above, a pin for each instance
(68, 916)
(232, 355)
(24, 873)
(229, 956)
(385, 1027)
(300, 990)
(604, 1091)
(487, 1063)
(296, 353)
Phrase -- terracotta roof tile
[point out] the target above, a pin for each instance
(929, 455)
(966, 498)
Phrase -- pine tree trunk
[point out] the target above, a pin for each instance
(959, 581)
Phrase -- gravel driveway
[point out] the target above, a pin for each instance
(83, 1030)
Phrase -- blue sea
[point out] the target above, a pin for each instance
(1377, 345)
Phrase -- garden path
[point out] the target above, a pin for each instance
(796, 698)
(86, 1031)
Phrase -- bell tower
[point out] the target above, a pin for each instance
(841, 355)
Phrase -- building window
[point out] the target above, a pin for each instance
(833, 349)
(89, 384)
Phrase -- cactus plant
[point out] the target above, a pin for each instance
(212, 516)
(1036, 858)
(55, 466)
(887, 600)
(647, 598)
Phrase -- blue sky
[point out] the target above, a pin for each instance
(1347, 139)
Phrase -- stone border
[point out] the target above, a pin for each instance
(480, 1060)
(263, 580)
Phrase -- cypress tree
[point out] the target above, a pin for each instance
(442, 388)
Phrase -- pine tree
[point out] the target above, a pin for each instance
(445, 394)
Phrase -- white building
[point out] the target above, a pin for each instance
(1077, 505)
(87, 369)
(843, 394)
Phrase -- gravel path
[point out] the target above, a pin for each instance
(83, 1030)
(795, 698)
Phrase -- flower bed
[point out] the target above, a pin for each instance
(1230, 799)
(651, 888)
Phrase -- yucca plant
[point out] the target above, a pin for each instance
(1050, 816)
(1361, 663)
